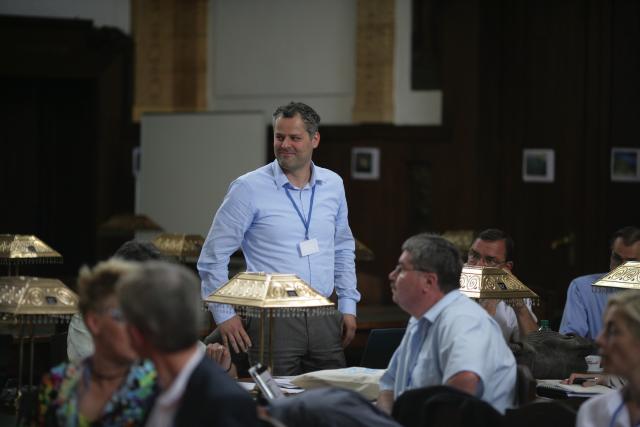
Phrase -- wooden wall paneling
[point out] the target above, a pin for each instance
(544, 79)
(592, 240)
(622, 199)
(69, 83)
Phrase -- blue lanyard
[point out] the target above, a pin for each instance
(308, 221)
(616, 413)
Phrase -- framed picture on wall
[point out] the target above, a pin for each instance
(365, 163)
(625, 164)
(538, 165)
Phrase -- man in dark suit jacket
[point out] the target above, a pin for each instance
(161, 303)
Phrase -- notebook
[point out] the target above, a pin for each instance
(556, 390)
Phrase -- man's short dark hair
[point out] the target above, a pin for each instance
(494, 235)
(308, 115)
(430, 252)
(629, 235)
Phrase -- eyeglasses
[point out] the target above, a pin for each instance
(619, 259)
(116, 314)
(474, 258)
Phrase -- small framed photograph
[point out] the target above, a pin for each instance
(538, 165)
(365, 163)
(625, 164)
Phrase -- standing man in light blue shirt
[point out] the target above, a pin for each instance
(450, 340)
(584, 309)
(289, 216)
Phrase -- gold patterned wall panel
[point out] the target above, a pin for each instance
(375, 61)
(170, 55)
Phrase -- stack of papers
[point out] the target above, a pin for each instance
(555, 389)
(284, 383)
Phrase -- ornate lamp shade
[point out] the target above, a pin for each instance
(128, 223)
(184, 247)
(286, 294)
(462, 239)
(26, 249)
(493, 283)
(271, 295)
(625, 276)
(36, 299)
(363, 253)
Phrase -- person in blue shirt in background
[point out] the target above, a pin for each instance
(450, 339)
(584, 309)
(289, 216)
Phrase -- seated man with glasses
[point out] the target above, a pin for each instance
(450, 340)
(494, 248)
(584, 309)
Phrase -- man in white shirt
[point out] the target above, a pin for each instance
(162, 306)
(494, 248)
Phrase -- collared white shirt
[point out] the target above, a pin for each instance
(166, 405)
(507, 319)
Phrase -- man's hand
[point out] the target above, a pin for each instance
(234, 335)
(588, 380)
(385, 401)
(349, 327)
(526, 322)
(219, 354)
(490, 305)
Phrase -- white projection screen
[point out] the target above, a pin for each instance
(187, 162)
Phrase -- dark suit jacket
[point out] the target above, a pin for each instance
(212, 398)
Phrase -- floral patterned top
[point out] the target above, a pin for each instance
(129, 405)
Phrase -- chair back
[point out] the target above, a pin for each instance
(548, 414)
(525, 386)
(381, 345)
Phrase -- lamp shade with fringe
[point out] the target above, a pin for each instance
(26, 302)
(625, 276)
(363, 253)
(271, 295)
(183, 247)
(493, 283)
(26, 249)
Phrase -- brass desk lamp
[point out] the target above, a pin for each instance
(27, 301)
(183, 247)
(493, 283)
(17, 249)
(269, 295)
(625, 276)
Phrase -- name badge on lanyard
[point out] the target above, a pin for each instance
(307, 246)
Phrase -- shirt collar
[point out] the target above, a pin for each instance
(432, 314)
(173, 394)
(281, 179)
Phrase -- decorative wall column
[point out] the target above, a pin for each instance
(375, 61)
(170, 55)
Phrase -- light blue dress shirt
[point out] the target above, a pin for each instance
(584, 309)
(257, 216)
(454, 335)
